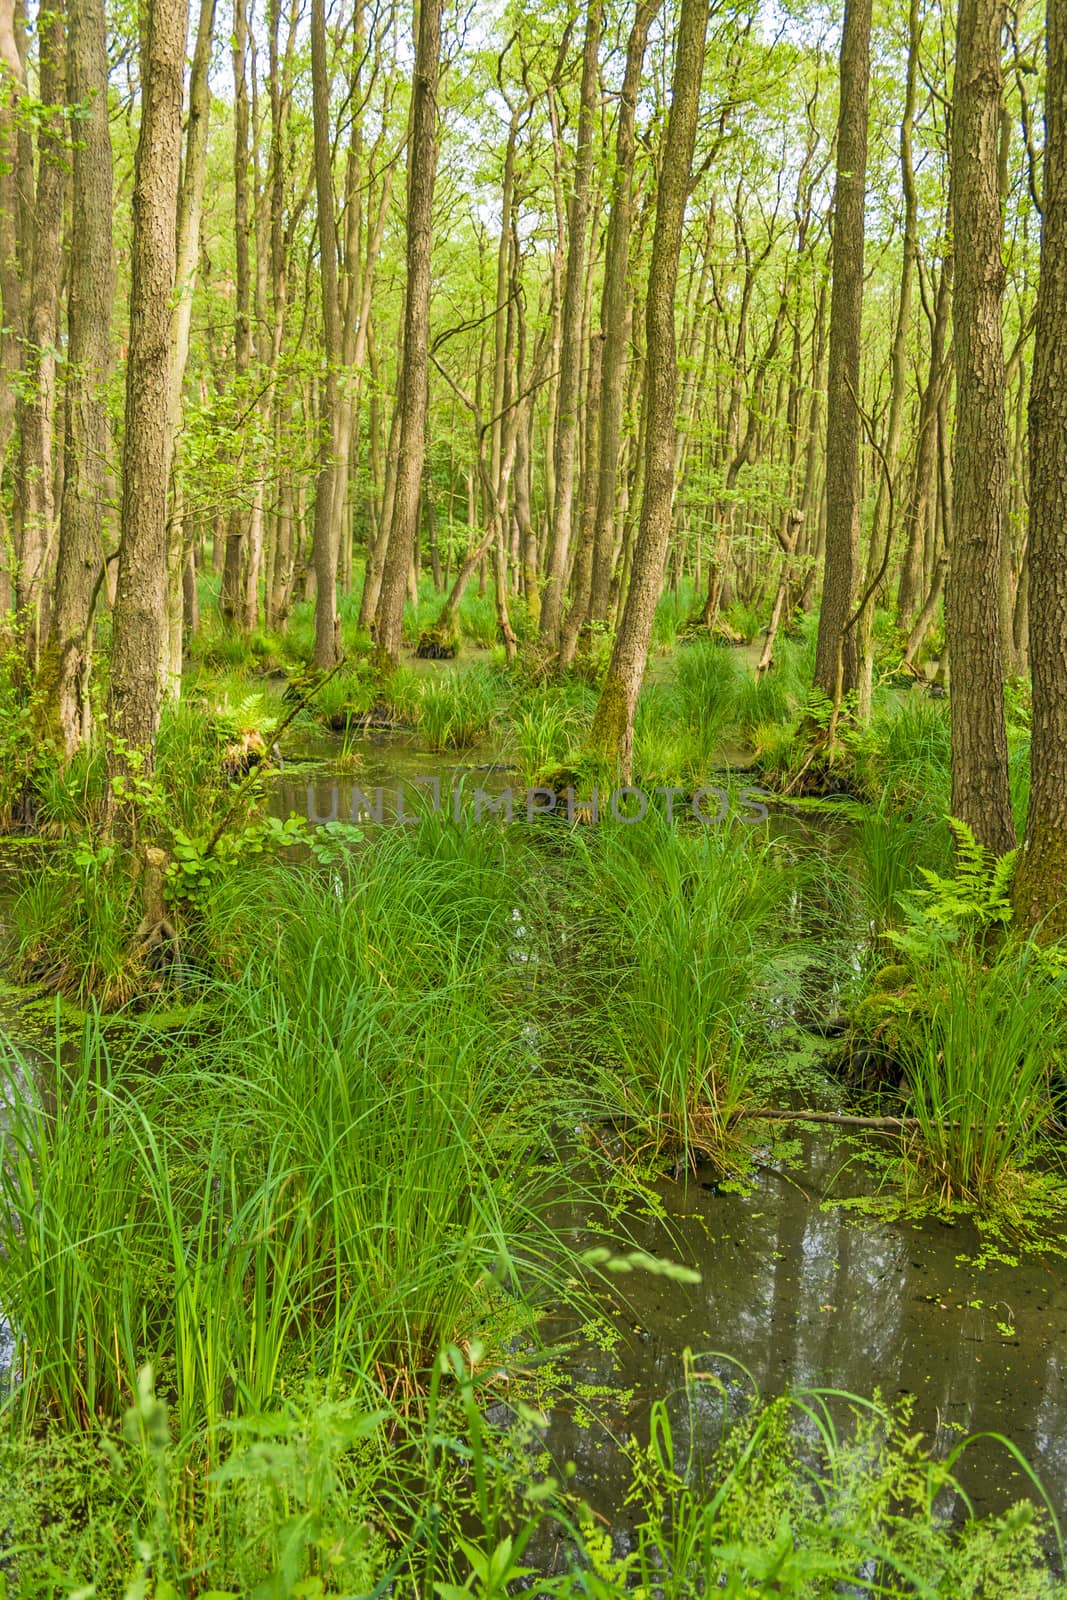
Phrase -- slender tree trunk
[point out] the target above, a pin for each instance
(324, 542)
(190, 213)
(612, 732)
(836, 660)
(231, 599)
(570, 367)
(924, 477)
(37, 390)
(615, 315)
(980, 793)
(412, 398)
(140, 595)
(880, 531)
(12, 87)
(1041, 876)
(65, 667)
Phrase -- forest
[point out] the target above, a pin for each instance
(533, 799)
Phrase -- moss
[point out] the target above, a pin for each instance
(1039, 893)
(438, 643)
(895, 976)
(611, 736)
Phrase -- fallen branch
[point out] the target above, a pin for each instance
(835, 1119)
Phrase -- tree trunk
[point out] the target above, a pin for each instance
(140, 595)
(231, 599)
(881, 532)
(980, 793)
(615, 315)
(612, 732)
(65, 667)
(836, 659)
(412, 398)
(570, 365)
(12, 87)
(324, 543)
(1041, 876)
(924, 476)
(190, 212)
(37, 389)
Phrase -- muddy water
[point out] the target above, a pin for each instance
(803, 1293)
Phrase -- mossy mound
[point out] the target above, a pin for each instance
(439, 643)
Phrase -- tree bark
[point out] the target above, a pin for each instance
(231, 597)
(980, 793)
(324, 543)
(570, 364)
(1041, 878)
(37, 390)
(837, 659)
(412, 398)
(190, 213)
(12, 87)
(65, 665)
(615, 315)
(880, 530)
(140, 597)
(611, 735)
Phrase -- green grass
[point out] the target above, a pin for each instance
(544, 726)
(458, 707)
(980, 1050)
(685, 938)
(708, 683)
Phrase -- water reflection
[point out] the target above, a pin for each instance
(801, 1295)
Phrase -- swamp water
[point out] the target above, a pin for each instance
(795, 1290)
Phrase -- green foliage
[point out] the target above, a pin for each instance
(457, 708)
(789, 1505)
(683, 940)
(981, 1050)
(544, 726)
(197, 863)
(976, 899)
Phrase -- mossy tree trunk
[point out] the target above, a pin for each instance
(64, 677)
(37, 389)
(1041, 878)
(569, 394)
(615, 316)
(980, 794)
(413, 394)
(140, 595)
(837, 658)
(611, 735)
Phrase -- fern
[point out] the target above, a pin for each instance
(975, 899)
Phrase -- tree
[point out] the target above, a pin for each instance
(980, 793)
(615, 323)
(837, 657)
(1041, 876)
(38, 386)
(324, 542)
(570, 363)
(414, 371)
(141, 587)
(65, 663)
(611, 735)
